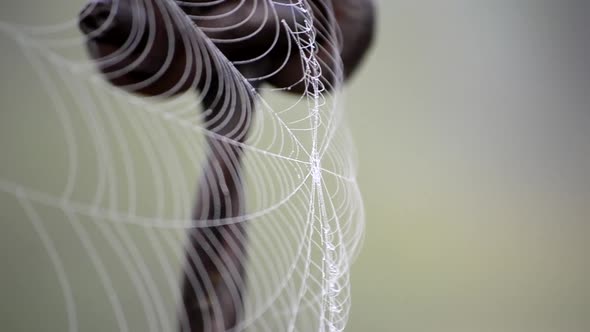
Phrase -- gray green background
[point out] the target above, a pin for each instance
(471, 121)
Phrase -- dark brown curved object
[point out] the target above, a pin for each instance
(214, 272)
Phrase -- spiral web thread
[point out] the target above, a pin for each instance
(120, 185)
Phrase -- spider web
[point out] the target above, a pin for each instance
(106, 179)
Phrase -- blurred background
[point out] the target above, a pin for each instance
(471, 121)
(472, 124)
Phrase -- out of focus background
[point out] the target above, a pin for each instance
(471, 121)
(472, 124)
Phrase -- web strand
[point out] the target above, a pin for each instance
(281, 234)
